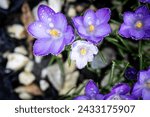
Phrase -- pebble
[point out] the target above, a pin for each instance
(4, 4)
(56, 5)
(44, 85)
(21, 50)
(25, 96)
(72, 12)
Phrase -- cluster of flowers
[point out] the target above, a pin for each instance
(121, 91)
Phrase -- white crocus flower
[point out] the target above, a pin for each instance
(83, 52)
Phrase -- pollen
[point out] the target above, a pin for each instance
(139, 24)
(91, 28)
(54, 33)
(83, 51)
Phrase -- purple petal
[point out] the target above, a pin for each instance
(45, 13)
(82, 97)
(89, 18)
(38, 30)
(102, 30)
(83, 32)
(146, 94)
(41, 47)
(129, 18)
(143, 76)
(99, 97)
(143, 10)
(136, 34)
(60, 21)
(127, 97)
(121, 88)
(146, 22)
(69, 35)
(124, 30)
(91, 89)
(94, 40)
(137, 90)
(103, 15)
(78, 21)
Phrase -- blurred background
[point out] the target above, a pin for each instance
(25, 76)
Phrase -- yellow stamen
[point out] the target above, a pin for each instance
(54, 33)
(139, 24)
(83, 51)
(91, 28)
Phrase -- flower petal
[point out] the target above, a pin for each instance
(129, 18)
(142, 10)
(83, 32)
(143, 76)
(121, 88)
(69, 35)
(45, 14)
(82, 97)
(103, 15)
(137, 90)
(38, 30)
(124, 30)
(137, 34)
(99, 97)
(41, 47)
(146, 94)
(102, 30)
(89, 18)
(78, 21)
(81, 62)
(60, 21)
(91, 89)
(127, 97)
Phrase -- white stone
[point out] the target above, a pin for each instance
(16, 31)
(4, 4)
(54, 75)
(56, 5)
(25, 96)
(21, 50)
(16, 61)
(44, 85)
(72, 12)
(26, 78)
(38, 59)
(35, 9)
(29, 66)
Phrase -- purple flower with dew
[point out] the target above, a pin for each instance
(93, 26)
(91, 92)
(131, 73)
(83, 52)
(142, 87)
(119, 92)
(52, 32)
(136, 24)
(145, 1)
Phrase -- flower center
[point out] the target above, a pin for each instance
(91, 28)
(54, 33)
(139, 24)
(83, 51)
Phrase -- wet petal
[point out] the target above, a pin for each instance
(124, 30)
(45, 14)
(143, 10)
(127, 97)
(69, 35)
(99, 97)
(91, 89)
(38, 30)
(137, 34)
(89, 18)
(78, 21)
(103, 15)
(82, 97)
(41, 47)
(143, 76)
(102, 30)
(137, 90)
(129, 18)
(146, 94)
(83, 32)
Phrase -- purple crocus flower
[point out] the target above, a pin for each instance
(145, 1)
(119, 92)
(93, 26)
(142, 87)
(52, 32)
(91, 92)
(136, 24)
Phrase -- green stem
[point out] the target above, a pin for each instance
(140, 55)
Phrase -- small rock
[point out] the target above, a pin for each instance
(4, 4)
(25, 96)
(26, 78)
(21, 50)
(29, 66)
(16, 31)
(16, 61)
(44, 85)
(38, 59)
(69, 68)
(56, 5)
(72, 12)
